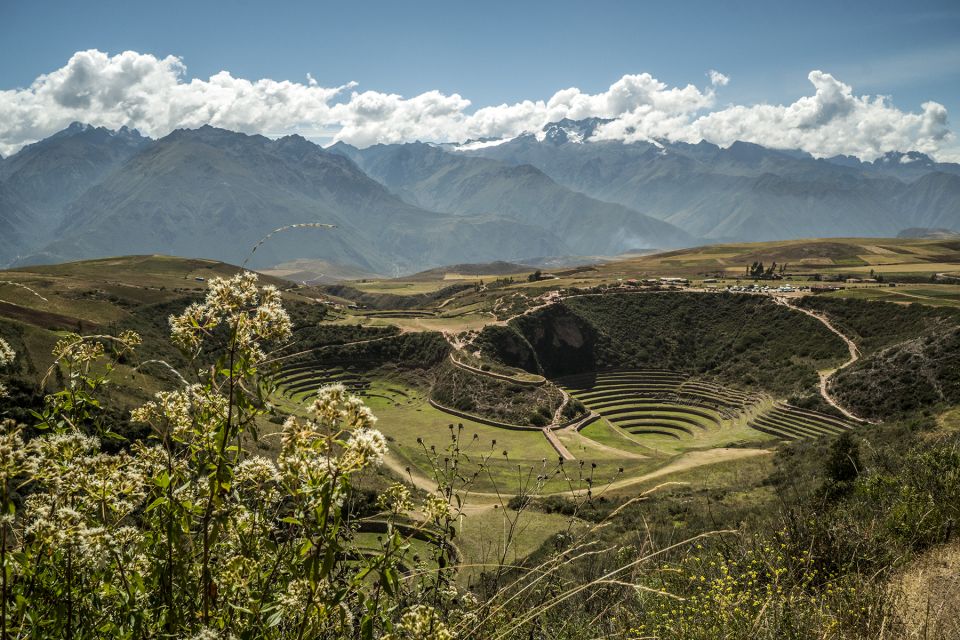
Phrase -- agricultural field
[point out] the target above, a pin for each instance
(833, 255)
(666, 411)
(936, 295)
(790, 423)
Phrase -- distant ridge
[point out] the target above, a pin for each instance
(921, 232)
(88, 191)
(215, 193)
(430, 177)
(745, 192)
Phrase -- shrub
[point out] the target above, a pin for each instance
(189, 533)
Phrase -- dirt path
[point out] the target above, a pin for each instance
(414, 476)
(688, 461)
(559, 412)
(826, 374)
(683, 462)
(599, 446)
(558, 446)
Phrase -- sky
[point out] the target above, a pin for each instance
(859, 78)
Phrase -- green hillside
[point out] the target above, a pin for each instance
(548, 416)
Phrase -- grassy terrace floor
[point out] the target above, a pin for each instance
(665, 412)
(404, 416)
(528, 454)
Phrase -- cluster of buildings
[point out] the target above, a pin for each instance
(758, 288)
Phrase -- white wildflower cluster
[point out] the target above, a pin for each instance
(420, 622)
(463, 607)
(57, 460)
(366, 447)
(130, 339)
(211, 634)
(294, 601)
(396, 499)
(12, 450)
(235, 572)
(314, 452)
(306, 451)
(77, 350)
(113, 484)
(335, 407)
(71, 465)
(253, 315)
(257, 479)
(179, 412)
(335, 412)
(57, 527)
(325, 613)
(436, 508)
(82, 501)
(188, 328)
(7, 354)
(152, 460)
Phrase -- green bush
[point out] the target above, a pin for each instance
(188, 534)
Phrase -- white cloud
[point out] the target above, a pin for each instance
(830, 122)
(717, 79)
(155, 96)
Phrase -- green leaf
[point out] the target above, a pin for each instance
(162, 500)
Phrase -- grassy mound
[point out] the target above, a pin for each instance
(495, 399)
(874, 325)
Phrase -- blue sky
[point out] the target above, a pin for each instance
(495, 52)
(506, 51)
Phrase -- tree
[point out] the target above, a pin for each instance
(535, 276)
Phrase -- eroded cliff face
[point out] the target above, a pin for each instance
(507, 345)
(563, 342)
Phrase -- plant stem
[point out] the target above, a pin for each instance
(215, 492)
(3, 565)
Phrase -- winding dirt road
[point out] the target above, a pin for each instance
(827, 374)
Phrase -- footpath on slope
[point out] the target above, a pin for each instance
(558, 446)
(827, 374)
(458, 345)
(683, 462)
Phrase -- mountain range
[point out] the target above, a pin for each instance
(744, 192)
(87, 192)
